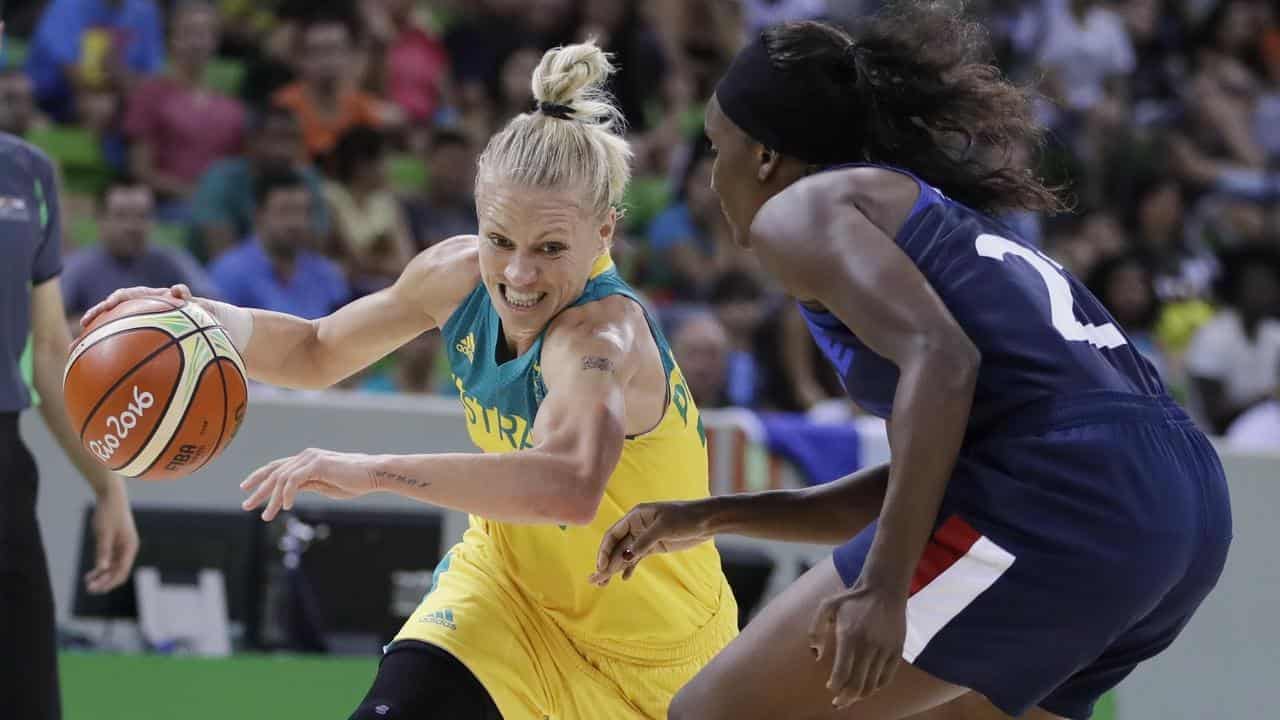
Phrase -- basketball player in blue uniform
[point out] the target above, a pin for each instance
(1050, 518)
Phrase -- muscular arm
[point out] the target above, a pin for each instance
(290, 351)
(578, 434)
(823, 248)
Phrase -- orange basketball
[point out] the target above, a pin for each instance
(155, 388)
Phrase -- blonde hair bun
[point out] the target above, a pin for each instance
(574, 140)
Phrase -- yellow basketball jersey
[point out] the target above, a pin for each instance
(670, 596)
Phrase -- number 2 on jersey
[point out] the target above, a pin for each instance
(1061, 303)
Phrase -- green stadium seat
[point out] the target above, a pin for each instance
(226, 75)
(15, 52)
(646, 197)
(79, 155)
(82, 231)
(170, 234)
(407, 173)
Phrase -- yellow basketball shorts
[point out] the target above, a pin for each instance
(532, 668)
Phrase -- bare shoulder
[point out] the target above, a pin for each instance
(811, 205)
(439, 278)
(612, 327)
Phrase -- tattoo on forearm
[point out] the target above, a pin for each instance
(386, 476)
(593, 362)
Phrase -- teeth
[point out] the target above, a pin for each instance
(520, 299)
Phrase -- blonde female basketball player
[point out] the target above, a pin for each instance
(581, 411)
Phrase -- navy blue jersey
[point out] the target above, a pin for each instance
(1041, 333)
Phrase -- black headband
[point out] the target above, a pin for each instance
(555, 110)
(776, 107)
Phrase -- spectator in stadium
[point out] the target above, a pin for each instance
(18, 112)
(1258, 428)
(1157, 223)
(277, 268)
(773, 364)
(326, 99)
(176, 126)
(739, 302)
(1217, 145)
(448, 206)
(548, 23)
(223, 206)
(480, 38)
(370, 235)
(1232, 358)
(653, 90)
(688, 241)
(125, 256)
(1224, 91)
(1086, 52)
(1124, 285)
(512, 96)
(93, 44)
(414, 64)
(701, 347)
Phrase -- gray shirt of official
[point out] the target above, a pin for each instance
(30, 254)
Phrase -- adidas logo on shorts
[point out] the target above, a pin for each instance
(441, 617)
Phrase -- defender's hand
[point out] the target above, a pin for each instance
(649, 528)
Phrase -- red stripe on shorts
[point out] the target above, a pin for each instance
(949, 543)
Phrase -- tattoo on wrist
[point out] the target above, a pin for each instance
(593, 362)
(382, 477)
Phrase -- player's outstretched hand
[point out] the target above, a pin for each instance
(333, 474)
(867, 630)
(177, 292)
(649, 528)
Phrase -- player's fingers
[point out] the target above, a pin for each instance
(609, 543)
(842, 667)
(181, 291)
(279, 480)
(300, 480)
(888, 669)
(875, 668)
(259, 494)
(116, 576)
(257, 476)
(93, 580)
(820, 629)
(266, 485)
(644, 540)
(854, 684)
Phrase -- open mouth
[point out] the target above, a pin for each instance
(520, 300)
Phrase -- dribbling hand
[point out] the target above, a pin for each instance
(177, 292)
(649, 528)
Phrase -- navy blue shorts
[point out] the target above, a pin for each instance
(1069, 548)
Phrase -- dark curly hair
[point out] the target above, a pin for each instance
(923, 95)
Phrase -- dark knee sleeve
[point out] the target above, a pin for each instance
(417, 681)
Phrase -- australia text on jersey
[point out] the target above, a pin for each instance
(514, 429)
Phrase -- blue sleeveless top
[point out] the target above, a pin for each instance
(1042, 334)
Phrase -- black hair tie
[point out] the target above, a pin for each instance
(555, 110)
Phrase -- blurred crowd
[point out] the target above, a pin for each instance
(295, 154)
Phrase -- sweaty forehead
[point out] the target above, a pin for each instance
(528, 212)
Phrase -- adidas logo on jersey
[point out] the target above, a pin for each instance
(443, 618)
(467, 346)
